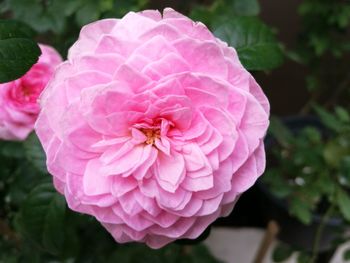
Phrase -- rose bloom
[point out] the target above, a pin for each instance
(18, 99)
(153, 126)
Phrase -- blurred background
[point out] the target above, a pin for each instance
(299, 52)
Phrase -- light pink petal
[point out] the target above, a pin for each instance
(109, 44)
(163, 145)
(148, 204)
(165, 66)
(201, 224)
(194, 157)
(153, 14)
(161, 29)
(246, 176)
(135, 80)
(76, 83)
(120, 186)
(198, 184)
(89, 36)
(254, 123)
(180, 117)
(204, 57)
(141, 171)
(106, 215)
(136, 222)
(94, 183)
(177, 230)
(259, 95)
(123, 163)
(129, 204)
(155, 48)
(106, 63)
(163, 219)
(210, 206)
(191, 209)
(132, 25)
(170, 170)
(173, 201)
(222, 182)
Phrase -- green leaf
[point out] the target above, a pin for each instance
(254, 41)
(41, 218)
(222, 10)
(41, 15)
(17, 52)
(17, 56)
(346, 254)
(87, 13)
(312, 83)
(300, 210)
(281, 252)
(200, 254)
(15, 29)
(343, 201)
(328, 119)
(136, 253)
(342, 114)
(11, 149)
(35, 153)
(333, 153)
(246, 7)
(276, 183)
(282, 134)
(303, 257)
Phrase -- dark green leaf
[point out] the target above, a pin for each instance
(41, 15)
(333, 153)
(87, 13)
(300, 210)
(303, 257)
(222, 10)
(35, 153)
(22, 181)
(280, 132)
(200, 254)
(41, 218)
(15, 29)
(343, 201)
(328, 119)
(11, 149)
(342, 114)
(17, 52)
(281, 252)
(246, 7)
(136, 253)
(254, 41)
(346, 254)
(17, 55)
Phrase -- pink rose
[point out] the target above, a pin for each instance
(153, 126)
(18, 99)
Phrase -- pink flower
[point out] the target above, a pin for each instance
(18, 99)
(153, 126)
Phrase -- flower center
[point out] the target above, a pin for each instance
(151, 134)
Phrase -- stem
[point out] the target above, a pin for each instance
(319, 232)
(269, 237)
